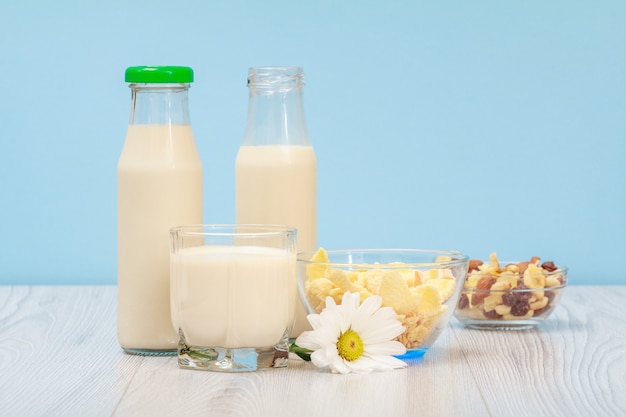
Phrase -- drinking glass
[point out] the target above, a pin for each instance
(233, 295)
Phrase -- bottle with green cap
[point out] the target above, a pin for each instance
(159, 187)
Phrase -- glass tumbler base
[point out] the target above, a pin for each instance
(232, 360)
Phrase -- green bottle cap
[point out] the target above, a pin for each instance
(159, 74)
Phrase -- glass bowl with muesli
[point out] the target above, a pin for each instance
(422, 286)
(510, 295)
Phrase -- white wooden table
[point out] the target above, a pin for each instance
(59, 357)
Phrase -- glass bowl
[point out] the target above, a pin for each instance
(516, 296)
(422, 286)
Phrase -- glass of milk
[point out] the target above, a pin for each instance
(233, 295)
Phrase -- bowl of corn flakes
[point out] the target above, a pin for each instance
(422, 286)
(510, 295)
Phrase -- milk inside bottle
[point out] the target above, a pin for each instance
(159, 187)
(276, 166)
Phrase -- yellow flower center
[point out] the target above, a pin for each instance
(350, 345)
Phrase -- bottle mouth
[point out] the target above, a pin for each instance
(275, 77)
(159, 86)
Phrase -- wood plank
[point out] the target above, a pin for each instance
(572, 364)
(59, 353)
(59, 357)
(427, 387)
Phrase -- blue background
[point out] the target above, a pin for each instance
(478, 126)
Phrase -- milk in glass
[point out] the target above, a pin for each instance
(232, 296)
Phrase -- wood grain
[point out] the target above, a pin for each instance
(560, 367)
(59, 357)
(58, 352)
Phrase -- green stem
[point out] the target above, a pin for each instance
(300, 351)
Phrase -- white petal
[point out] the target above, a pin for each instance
(340, 317)
(367, 364)
(308, 340)
(363, 365)
(330, 304)
(319, 359)
(320, 338)
(382, 363)
(333, 322)
(314, 320)
(370, 305)
(350, 300)
(335, 316)
(362, 318)
(381, 332)
(386, 313)
(328, 336)
(391, 347)
(326, 356)
(339, 366)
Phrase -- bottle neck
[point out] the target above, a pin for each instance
(159, 104)
(276, 107)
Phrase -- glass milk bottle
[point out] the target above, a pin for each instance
(276, 167)
(159, 187)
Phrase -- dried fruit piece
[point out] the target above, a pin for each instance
(524, 296)
(520, 309)
(509, 299)
(521, 267)
(483, 285)
(485, 282)
(520, 295)
(493, 261)
(549, 266)
(501, 285)
(509, 277)
(472, 280)
(534, 277)
(552, 281)
(491, 302)
(544, 310)
(539, 304)
(463, 301)
(503, 309)
(474, 264)
(492, 314)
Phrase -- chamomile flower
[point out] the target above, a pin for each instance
(354, 338)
